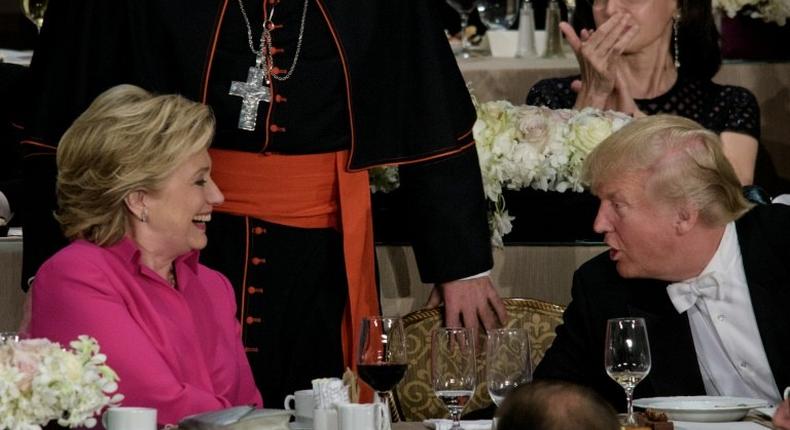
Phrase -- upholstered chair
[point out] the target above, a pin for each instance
(414, 400)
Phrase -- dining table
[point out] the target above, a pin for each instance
(679, 425)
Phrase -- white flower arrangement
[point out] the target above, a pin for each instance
(527, 146)
(41, 382)
(777, 11)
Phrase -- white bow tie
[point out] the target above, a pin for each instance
(685, 294)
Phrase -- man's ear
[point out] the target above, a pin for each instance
(687, 218)
(135, 202)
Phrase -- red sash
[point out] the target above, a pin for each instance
(309, 191)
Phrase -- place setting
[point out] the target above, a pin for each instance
(628, 362)
(453, 371)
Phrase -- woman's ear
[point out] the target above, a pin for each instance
(135, 202)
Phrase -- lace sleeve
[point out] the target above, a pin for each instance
(555, 93)
(743, 112)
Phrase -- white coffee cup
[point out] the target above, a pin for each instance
(129, 418)
(303, 404)
(787, 393)
(503, 43)
(355, 416)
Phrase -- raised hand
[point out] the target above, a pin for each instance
(621, 99)
(599, 53)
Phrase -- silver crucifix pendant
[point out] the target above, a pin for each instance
(252, 93)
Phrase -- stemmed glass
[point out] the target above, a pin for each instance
(453, 368)
(508, 364)
(498, 14)
(627, 356)
(382, 358)
(464, 8)
(34, 11)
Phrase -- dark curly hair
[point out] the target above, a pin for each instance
(700, 55)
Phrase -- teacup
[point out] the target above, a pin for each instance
(355, 416)
(129, 418)
(303, 404)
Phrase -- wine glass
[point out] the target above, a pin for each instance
(498, 14)
(34, 11)
(627, 356)
(382, 354)
(453, 368)
(508, 364)
(464, 8)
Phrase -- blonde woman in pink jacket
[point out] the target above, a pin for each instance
(135, 193)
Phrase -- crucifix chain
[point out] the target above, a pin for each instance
(256, 88)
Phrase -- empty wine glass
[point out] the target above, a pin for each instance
(34, 11)
(382, 358)
(498, 14)
(627, 356)
(453, 368)
(508, 364)
(464, 8)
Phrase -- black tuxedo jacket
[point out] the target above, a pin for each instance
(600, 293)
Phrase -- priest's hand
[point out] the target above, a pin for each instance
(469, 303)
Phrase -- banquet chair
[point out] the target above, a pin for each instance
(414, 400)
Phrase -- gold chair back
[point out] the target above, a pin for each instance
(413, 399)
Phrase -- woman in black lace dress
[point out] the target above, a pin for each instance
(645, 57)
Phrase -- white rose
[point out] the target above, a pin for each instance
(533, 128)
(587, 131)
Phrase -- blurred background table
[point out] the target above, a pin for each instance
(511, 78)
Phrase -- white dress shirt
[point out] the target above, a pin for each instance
(729, 348)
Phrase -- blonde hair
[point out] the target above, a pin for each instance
(684, 162)
(127, 140)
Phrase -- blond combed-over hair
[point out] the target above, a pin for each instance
(127, 140)
(684, 163)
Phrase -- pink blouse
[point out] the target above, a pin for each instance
(177, 350)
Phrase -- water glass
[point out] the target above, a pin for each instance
(453, 368)
(508, 363)
(498, 14)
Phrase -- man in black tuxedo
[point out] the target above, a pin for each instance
(709, 273)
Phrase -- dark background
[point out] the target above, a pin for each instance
(16, 32)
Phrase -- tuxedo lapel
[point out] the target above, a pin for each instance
(769, 288)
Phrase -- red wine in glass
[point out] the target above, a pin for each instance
(382, 377)
(382, 362)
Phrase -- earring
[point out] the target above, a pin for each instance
(675, 20)
(144, 215)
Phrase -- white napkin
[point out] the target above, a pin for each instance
(444, 424)
(327, 391)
